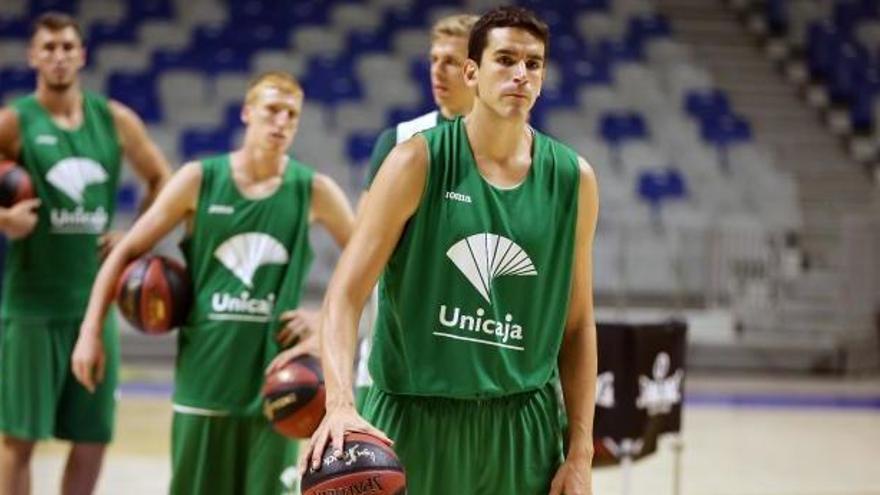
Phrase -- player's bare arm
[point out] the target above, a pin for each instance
(577, 356)
(393, 199)
(19, 220)
(330, 208)
(147, 161)
(175, 203)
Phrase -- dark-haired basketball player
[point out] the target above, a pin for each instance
(482, 230)
(247, 215)
(71, 142)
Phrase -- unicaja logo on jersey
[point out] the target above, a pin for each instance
(72, 176)
(242, 255)
(482, 258)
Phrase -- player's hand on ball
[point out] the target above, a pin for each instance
(309, 345)
(21, 218)
(573, 477)
(88, 361)
(332, 430)
(108, 241)
(297, 324)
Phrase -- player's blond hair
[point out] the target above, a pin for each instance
(454, 25)
(282, 81)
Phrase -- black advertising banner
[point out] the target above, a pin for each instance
(639, 388)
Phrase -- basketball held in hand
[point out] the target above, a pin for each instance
(367, 465)
(15, 184)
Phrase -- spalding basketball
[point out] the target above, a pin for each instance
(293, 397)
(367, 466)
(15, 184)
(154, 294)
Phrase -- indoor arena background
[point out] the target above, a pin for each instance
(736, 148)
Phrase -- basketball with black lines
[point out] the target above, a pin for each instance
(367, 467)
(15, 184)
(154, 294)
(293, 397)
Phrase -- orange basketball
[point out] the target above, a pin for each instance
(154, 294)
(367, 465)
(15, 184)
(293, 397)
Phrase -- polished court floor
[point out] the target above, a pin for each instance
(742, 436)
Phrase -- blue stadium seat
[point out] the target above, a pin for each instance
(138, 91)
(625, 50)
(656, 187)
(822, 40)
(568, 48)
(127, 195)
(360, 42)
(17, 80)
(37, 7)
(303, 12)
(226, 60)
(593, 71)
(848, 66)
(102, 32)
(617, 127)
(202, 142)
(706, 103)
(331, 80)
(359, 146)
(14, 28)
(866, 93)
(395, 19)
(150, 9)
(725, 130)
(645, 27)
(163, 60)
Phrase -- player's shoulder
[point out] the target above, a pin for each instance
(561, 154)
(408, 129)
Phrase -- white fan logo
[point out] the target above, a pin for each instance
(72, 175)
(244, 253)
(484, 257)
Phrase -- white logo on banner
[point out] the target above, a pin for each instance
(658, 395)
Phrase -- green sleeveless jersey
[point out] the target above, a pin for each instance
(74, 173)
(474, 298)
(248, 260)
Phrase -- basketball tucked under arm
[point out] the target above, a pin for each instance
(175, 202)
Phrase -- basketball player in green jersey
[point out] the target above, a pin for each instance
(247, 215)
(453, 97)
(482, 230)
(71, 142)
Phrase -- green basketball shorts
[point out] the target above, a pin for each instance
(39, 396)
(230, 455)
(507, 445)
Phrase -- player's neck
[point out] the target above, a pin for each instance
(65, 104)
(493, 136)
(261, 164)
(450, 112)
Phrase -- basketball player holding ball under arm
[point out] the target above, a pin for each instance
(247, 215)
(484, 229)
(71, 143)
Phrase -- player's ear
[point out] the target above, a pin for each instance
(470, 73)
(245, 114)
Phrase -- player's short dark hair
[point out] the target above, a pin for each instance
(55, 21)
(504, 17)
